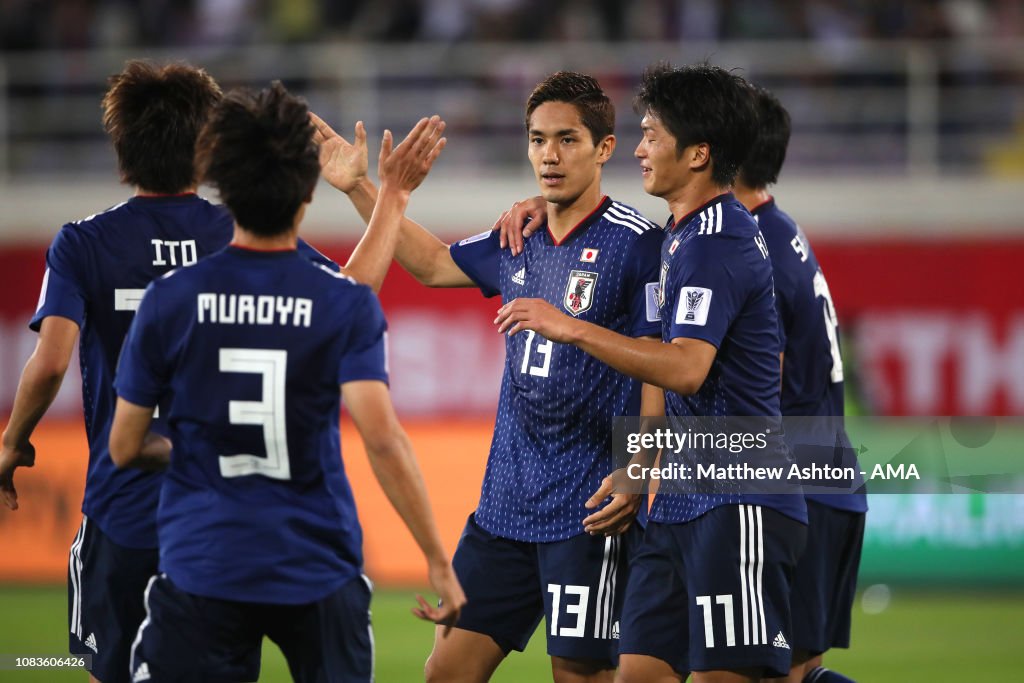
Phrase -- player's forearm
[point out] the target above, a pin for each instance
(128, 433)
(364, 198)
(658, 364)
(652, 414)
(395, 467)
(418, 251)
(652, 402)
(125, 448)
(155, 453)
(372, 257)
(40, 382)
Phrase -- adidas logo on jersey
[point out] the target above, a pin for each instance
(520, 277)
(780, 641)
(141, 674)
(615, 631)
(90, 642)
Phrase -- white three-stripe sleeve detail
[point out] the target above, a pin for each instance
(625, 210)
(632, 226)
(640, 223)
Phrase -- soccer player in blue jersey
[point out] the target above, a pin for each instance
(97, 269)
(524, 554)
(257, 524)
(709, 589)
(812, 385)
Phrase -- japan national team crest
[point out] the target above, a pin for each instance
(579, 292)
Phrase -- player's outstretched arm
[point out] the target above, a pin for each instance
(40, 382)
(394, 465)
(681, 366)
(131, 442)
(401, 171)
(344, 166)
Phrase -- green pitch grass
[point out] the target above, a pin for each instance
(939, 636)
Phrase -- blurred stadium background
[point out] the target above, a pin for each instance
(905, 169)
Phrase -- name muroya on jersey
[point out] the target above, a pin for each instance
(250, 309)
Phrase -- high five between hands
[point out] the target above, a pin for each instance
(344, 164)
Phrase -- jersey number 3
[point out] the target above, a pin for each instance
(268, 412)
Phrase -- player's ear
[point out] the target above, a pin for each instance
(698, 156)
(605, 149)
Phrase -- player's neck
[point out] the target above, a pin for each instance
(562, 218)
(690, 197)
(143, 192)
(751, 197)
(248, 240)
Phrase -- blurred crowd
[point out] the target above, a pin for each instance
(69, 24)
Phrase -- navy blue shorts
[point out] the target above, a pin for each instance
(713, 594)
(105, 586)
(825, 581)
(577, 584)
(187, 637)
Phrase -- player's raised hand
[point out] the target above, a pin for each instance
(11, 458)
(521, 221)
(537, 315)
(618, 515)
(452, 598)
(405, 166)
(342, 164)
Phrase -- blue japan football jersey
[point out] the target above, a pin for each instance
(716, 286)
(812, 373)
(552, 443)
(96, 271)
(248, 349)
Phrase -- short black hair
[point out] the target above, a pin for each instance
(702, 103)
(153, 115)
(257, 149)
(762, 166)
(583, 92)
